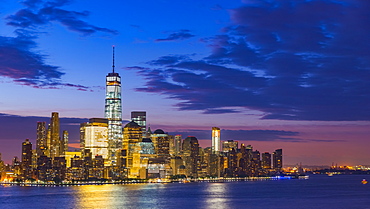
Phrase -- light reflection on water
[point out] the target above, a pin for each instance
(317, 192)
(116, 196)
(217, 192)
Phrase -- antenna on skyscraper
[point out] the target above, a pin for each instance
(113, 59)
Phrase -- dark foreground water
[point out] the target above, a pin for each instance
(317, 192)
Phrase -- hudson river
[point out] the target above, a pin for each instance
(338, 191)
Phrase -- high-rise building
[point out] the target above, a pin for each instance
(41, 143)
(139, 117)
(190, 148)
(113, 112)
(278, 159)
(54, 135)
(26, 158)
(216, 139)
(64, 147)
(177, 144)
(94, 137)
(266, 160)
(161, 141)
(132, 136)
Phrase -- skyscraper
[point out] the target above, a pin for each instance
(190, 148)
(139, 117)
(216, 139)
(177, 144)
(54, 135)
(266, 160)
(41, 143)
(64, 142)
(278, 159)
(113, 112)
(26, 158)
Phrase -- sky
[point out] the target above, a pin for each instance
(289, 74)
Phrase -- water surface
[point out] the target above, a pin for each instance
(339, 191)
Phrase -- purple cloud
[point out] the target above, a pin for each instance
(289, 60)
(177, 36)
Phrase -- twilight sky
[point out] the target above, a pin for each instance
(290, 74)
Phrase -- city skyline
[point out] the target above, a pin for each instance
(273, 74)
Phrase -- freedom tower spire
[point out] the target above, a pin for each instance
(113, 112)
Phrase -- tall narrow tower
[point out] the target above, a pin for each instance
(54, 135)
(216, 139)
(113, 112)
(41, 143)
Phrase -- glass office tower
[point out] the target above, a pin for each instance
(216, 139)
(113, 112)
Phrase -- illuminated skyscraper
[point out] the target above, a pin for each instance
(216, 139)
(113, 112)
(177, 145)
(140, 119)
(26, 158)
(41, 143)
(54, 135)
(64, 143)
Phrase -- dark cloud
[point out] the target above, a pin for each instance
(40, 12)
(177, 36)
(291, 60)
(19, 59)
(169, 60)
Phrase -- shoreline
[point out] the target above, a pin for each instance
(151, 181)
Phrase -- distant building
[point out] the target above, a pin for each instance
(190, 148)
(26, 159)
(55, 142)
(266, 160)
(41, 143)
(70, 155)
(177, 144)
(278, 159)
(229, 145)
(216, 139)
(64, 147)
(139, 117)
(161, 143)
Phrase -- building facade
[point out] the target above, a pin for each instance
(94, 137)
(113, 112)
(216, 139)
(139, 117)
